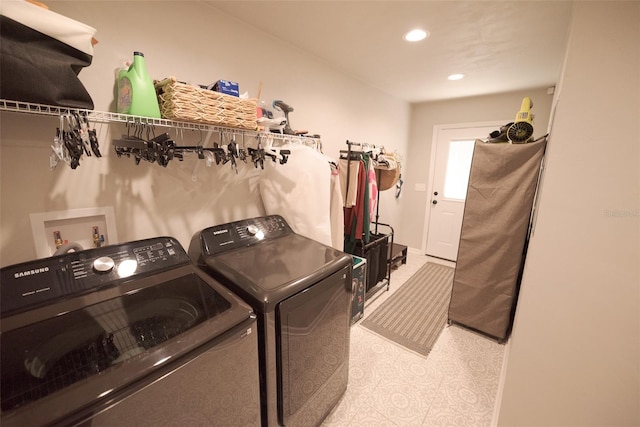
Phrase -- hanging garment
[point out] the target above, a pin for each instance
(366, 201)
(300, 191)
(351, 172)
(336, 215)
(373, 191)
(354, 216)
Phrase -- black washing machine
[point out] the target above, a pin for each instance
(127, 335)
(301, 292)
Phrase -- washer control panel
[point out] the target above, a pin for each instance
(239, 234)
(36, 282)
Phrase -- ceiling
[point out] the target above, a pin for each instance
(499, 46)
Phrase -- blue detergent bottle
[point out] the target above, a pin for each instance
(136, 93)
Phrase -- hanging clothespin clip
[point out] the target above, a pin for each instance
(242, 152)
(233, 153)
(165, 147)
(277, 154)
(269, 150)
(257, 155)
(93, 137)
(219, 154)
(59, 150)
(81, 132)
(72, 142)
(284, 156)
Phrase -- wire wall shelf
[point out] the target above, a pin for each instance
(108, 117)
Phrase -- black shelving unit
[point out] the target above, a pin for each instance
(397, 255)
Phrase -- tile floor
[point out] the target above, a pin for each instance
(456, 385)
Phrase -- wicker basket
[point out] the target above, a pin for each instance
(388, 173)
(387, 178)
(180, 101)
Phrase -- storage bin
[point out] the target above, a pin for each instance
(376, 253)
(359, 285)
(181, 101)
(42, 55)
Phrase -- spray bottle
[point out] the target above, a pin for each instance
(136, 93)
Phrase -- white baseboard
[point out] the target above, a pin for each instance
(499, 394)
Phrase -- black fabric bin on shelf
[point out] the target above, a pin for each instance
(42, 55)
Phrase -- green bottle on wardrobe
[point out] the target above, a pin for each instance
(136, 93)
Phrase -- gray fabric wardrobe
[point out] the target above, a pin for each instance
(495, 229)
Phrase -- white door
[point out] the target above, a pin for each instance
(450, 178)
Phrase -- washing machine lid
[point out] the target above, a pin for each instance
(268, 272)
(100, 333)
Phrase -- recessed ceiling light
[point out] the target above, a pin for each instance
(456, 76)
(416, 35)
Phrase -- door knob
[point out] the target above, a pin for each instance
(435, 202)
(435, 193)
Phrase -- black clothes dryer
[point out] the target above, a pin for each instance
(131, 334)
(301, 292)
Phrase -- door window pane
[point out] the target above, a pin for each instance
(458, 167)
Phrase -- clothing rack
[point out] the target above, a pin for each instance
(357, 155)
(373, 250)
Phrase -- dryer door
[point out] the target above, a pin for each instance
(313, 349)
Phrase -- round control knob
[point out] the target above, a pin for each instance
(103, 264)
(252, 230)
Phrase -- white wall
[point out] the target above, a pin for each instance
(196, 43)
(575, 349)
(424, 116)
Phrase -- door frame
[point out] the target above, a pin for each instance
(432, 166)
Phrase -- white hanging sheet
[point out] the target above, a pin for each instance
(301, 192)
